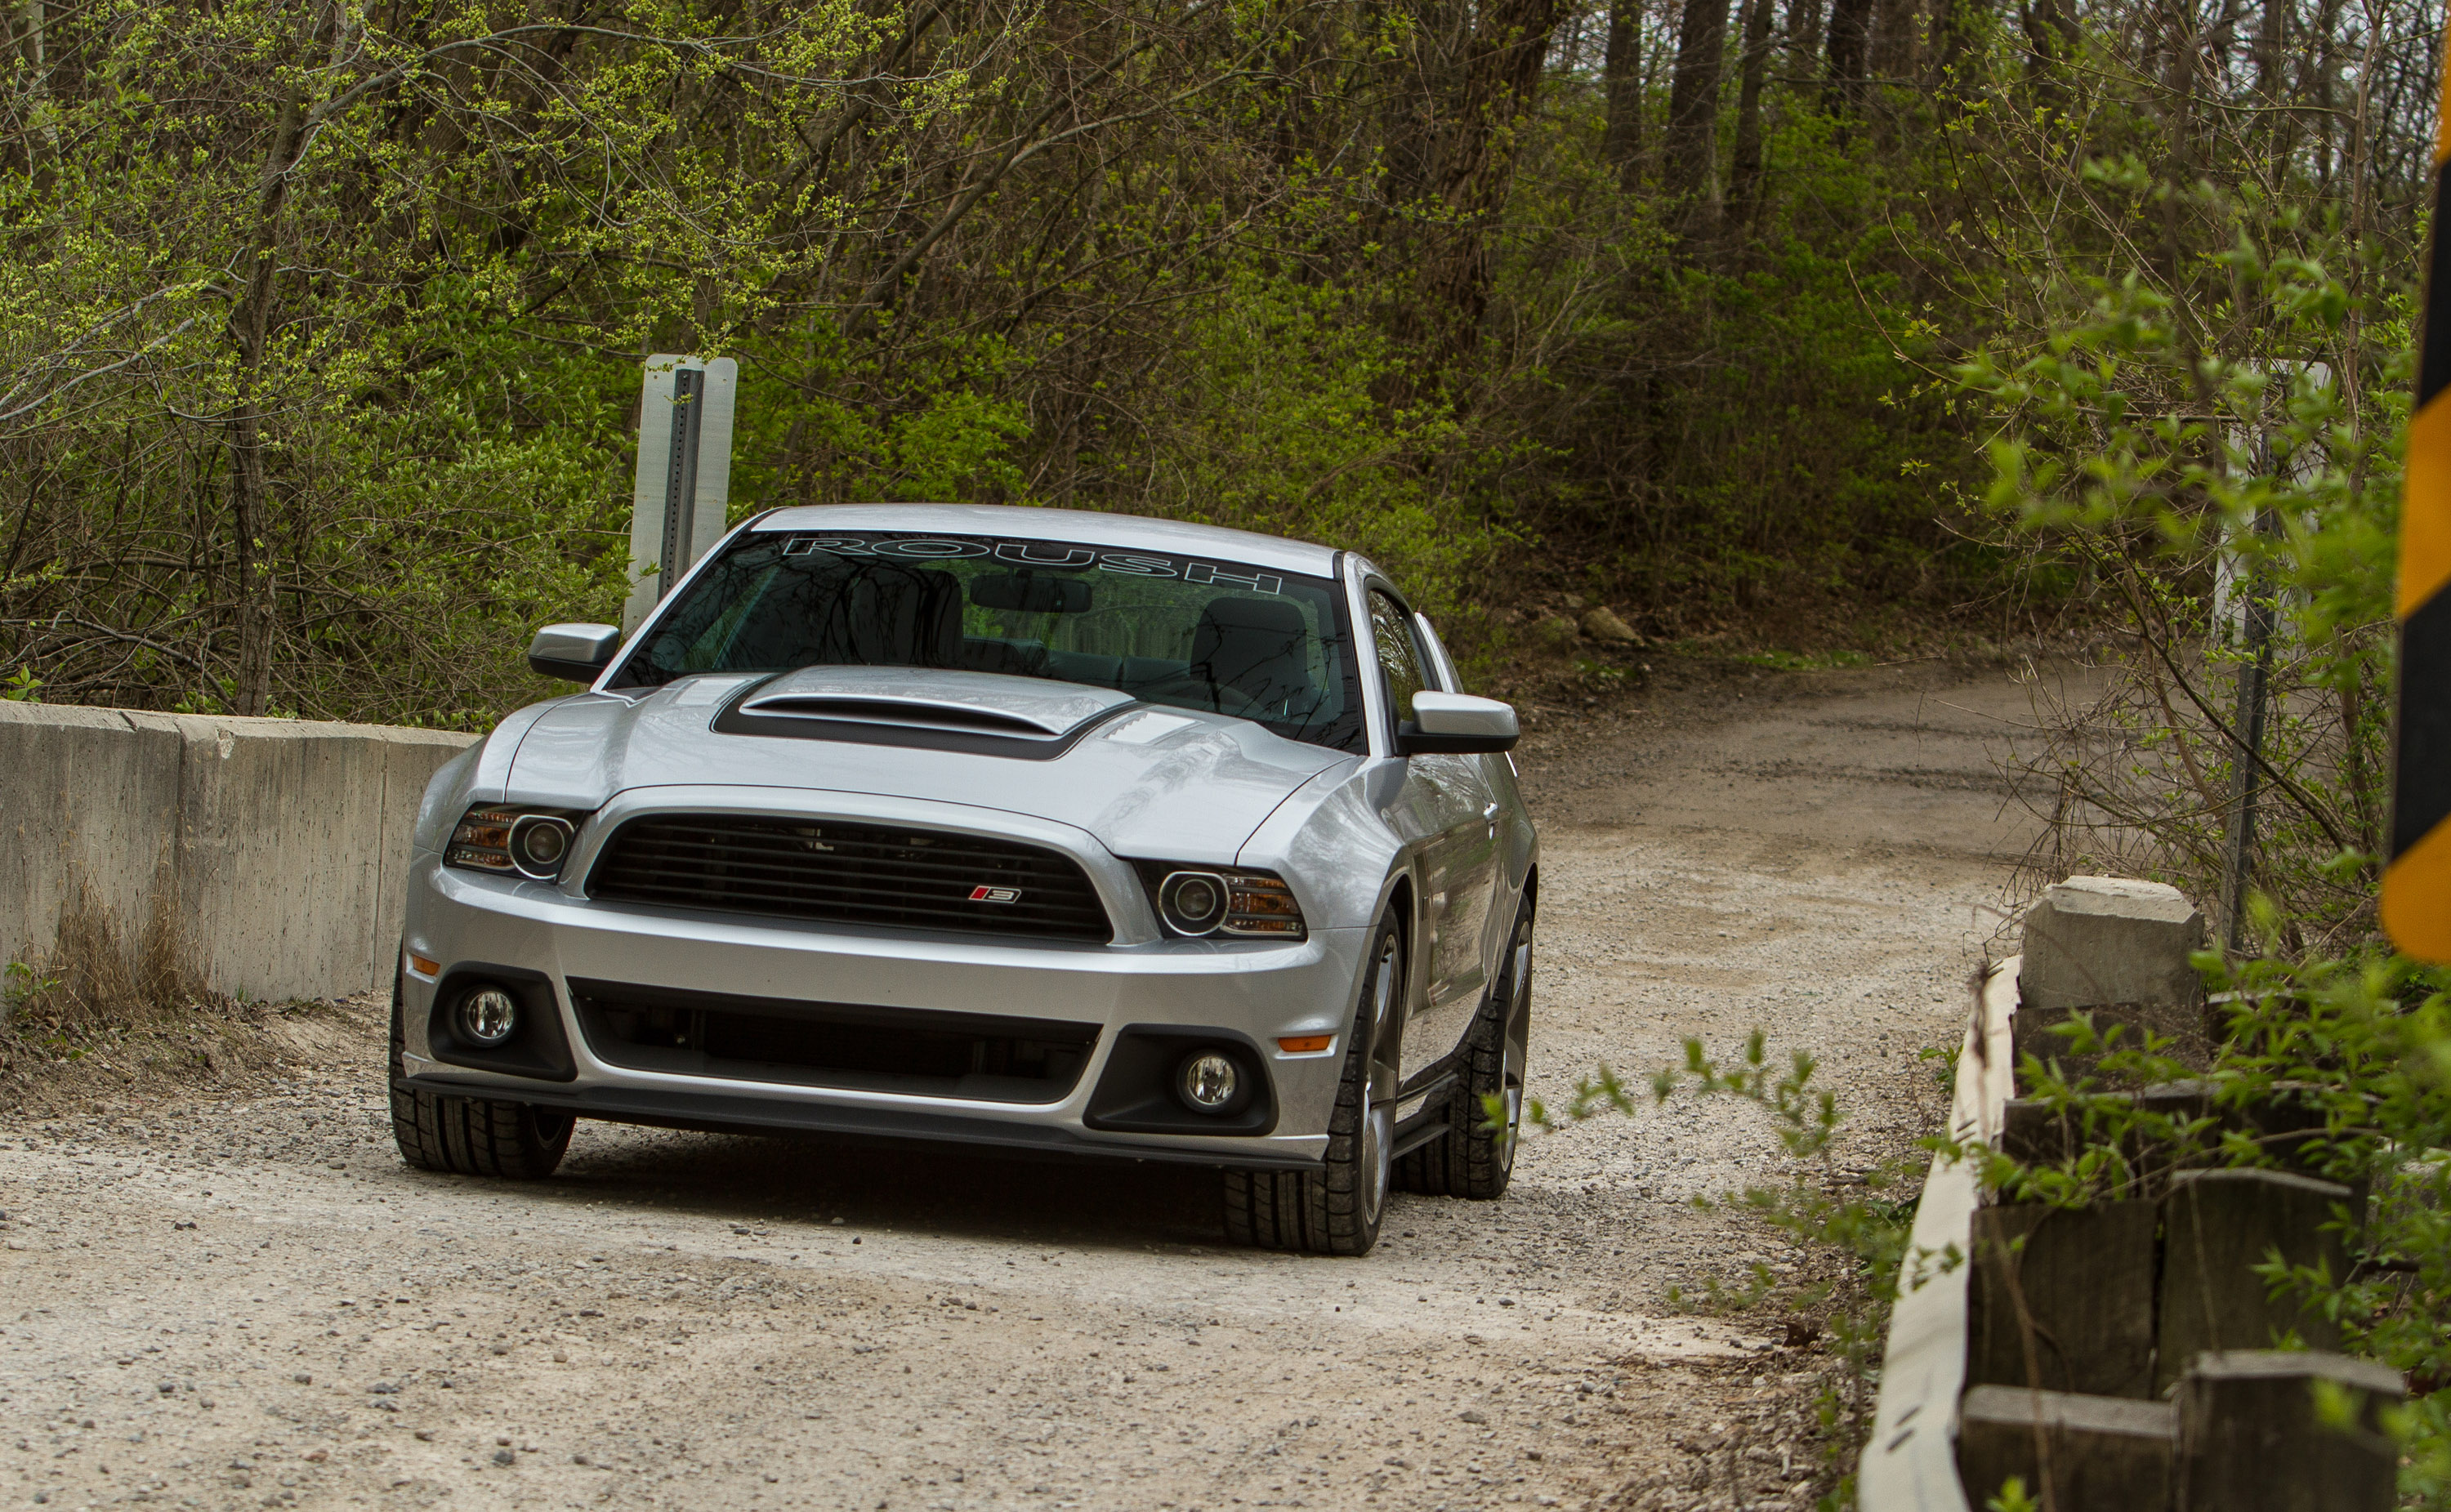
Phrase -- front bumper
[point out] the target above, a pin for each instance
(1259, 991)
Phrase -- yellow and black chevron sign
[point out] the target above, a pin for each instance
(2417, 883)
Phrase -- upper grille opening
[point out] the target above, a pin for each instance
(847, 873)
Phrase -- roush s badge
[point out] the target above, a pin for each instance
(995, 894)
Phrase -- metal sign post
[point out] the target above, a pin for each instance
(2417, 878)
(684, 482)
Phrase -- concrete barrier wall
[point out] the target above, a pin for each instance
(271, 853)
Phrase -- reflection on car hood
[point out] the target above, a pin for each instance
(1157, 782)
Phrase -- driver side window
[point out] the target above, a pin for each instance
(1400, 663)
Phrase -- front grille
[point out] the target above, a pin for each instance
(849, 874)
(917, 1052)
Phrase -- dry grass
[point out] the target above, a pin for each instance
(111, 1016)
(97, 977)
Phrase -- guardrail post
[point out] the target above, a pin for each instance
(2099, 1454)
(2218, 1226)
(2069, 1308)
(2249, 1440)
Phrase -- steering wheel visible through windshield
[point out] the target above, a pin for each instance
(1221, 636)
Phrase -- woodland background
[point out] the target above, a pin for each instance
(321, 320)
(1798, 328)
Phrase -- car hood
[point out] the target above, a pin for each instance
(1147, 782)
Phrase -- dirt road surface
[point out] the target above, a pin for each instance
(248, 1302)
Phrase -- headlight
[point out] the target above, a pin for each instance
(1196, 901)
(512, 838)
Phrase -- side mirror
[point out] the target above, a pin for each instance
(578, 652)
(1457, 725)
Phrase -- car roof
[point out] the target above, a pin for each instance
(1087, 526)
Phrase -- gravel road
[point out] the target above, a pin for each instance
(248, 1302)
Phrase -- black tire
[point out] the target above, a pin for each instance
(1338, 1208)
(469, 1136)
(1471, 1160)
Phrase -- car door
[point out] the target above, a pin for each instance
(1443, 802)
(1475, 933)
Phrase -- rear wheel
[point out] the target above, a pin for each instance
(1472, 1159)
(469, 1136)
(1337, 1210)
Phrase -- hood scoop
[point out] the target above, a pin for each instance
(983, 712)
(925, 712)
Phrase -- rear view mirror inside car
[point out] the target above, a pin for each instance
(1030, 593)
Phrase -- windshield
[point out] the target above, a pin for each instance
(1221, 636)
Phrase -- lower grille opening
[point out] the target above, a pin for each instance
(913, 1051)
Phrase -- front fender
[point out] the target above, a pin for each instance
(482, 771)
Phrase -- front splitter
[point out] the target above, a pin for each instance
(717, 1112)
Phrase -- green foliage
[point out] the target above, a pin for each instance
(1276, 426)
(2361, 1044)
(2012, 1498)
(2184, 483)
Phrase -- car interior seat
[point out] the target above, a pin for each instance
(1257, 647)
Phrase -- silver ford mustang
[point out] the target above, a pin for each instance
(1057, 831)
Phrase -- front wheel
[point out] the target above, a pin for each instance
(1337, 1210)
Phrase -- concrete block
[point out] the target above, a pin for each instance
(2093, 941)
(287, 831)
(2249, 1440)
(2100, 1454)
(272, 852)
(89, 806)
(2217, 1226)
(2082, 1279)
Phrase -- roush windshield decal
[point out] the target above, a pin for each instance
(1041, 554)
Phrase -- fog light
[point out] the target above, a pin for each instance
(488, 1016)
(1209, 1081)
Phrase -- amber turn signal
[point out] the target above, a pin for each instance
(421, 966)
(1306, 1044)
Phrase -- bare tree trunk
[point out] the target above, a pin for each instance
(1891, 53)
(2273, 35)
(1850, 38)
(249, 321)
(1621, 75)
(1754, 67)
(1693, 112)
(1953, 31)
(2050, 41)
(1504, 54)
(2326, 77)
(43, 143)
(1803, 34)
